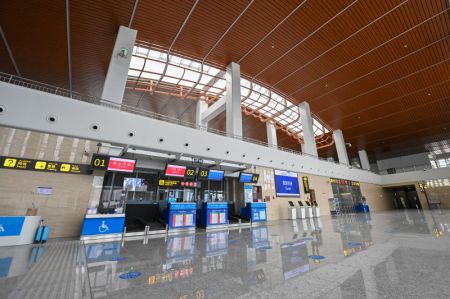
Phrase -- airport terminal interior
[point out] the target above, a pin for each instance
(195, 149)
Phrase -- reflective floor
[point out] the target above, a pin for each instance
(398, 254)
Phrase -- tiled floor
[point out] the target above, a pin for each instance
(398, 254)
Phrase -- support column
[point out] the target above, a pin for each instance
(271, 135)
(309, 147)
(233, 100)
(202, 106)
(340, 147)
(364, 159)
(116, 78)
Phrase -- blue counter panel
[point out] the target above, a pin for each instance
(361, 208)
(11, 225)
(255, 211)
(102, 226)
(213, 213)
(180, 215)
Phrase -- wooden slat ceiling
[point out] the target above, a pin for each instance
(378, 70)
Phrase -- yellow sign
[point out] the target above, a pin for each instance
(10, 163)
(40, 165)
(52, 166)
(65, 168)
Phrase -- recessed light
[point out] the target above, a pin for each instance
(359, 117)
(428, 94)
(273, 47)
(405, 46)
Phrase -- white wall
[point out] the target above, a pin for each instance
(30, 109)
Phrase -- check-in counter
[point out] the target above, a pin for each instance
(255, 211)
(102, 226)
(18, 230)
(213, 214)
(180, 215)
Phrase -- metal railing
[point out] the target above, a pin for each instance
(421, 167)
(28, 83)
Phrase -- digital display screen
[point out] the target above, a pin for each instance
(286, 184)
(122, 165)
(216, 175)
(245, 177)
(134, 184)
(191, 172)
(175, 170)
(203, 174)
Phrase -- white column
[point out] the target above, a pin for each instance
(340, 147)
(116, 78)
(309, 147)
(233, 100)
(202, 106)
(271, 135)
(364, 159)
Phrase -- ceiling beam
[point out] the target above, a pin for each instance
(11, 56)
(69, 55)
(370, 51)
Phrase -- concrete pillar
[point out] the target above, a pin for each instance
(364, 159)
(116, 78)
(309, 147)
(271, 135)
(340, 147)
(202, 106)
(233, 100)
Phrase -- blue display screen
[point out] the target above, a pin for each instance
(215, 175)
(246, 177)
(286, 184)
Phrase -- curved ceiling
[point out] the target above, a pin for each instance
(378, 70)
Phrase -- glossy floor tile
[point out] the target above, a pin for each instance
(398, 254)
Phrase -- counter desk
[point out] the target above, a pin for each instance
(18, 230)
(255, 211)
(213, 214)
(102, 226)
(180, 215)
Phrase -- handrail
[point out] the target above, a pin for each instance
(28, 83)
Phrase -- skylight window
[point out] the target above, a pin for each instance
(150, 70)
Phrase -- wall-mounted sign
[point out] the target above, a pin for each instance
(43, 165)
(44, 190)
(246, 177)
(203, 174)
(191, 172)
(104, 162)
(175, 170)
(305, 184)
(344, 182)
(175, 183)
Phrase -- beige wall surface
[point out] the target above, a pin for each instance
(63, 211)
(441, 194)
(377, 197)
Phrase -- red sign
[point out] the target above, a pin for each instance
(119, 164)
(175, 170)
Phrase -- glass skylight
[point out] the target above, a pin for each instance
(151, 71)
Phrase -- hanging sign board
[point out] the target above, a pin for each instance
(43, 165)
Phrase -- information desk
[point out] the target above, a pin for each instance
(102, 225)
(213, 214)
(362, 208)
(18, 230)
(255, 211)
(180, 215)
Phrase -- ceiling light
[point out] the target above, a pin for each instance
(405, 46)
(429, 94)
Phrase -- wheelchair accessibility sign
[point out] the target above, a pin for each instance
(102, 226)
